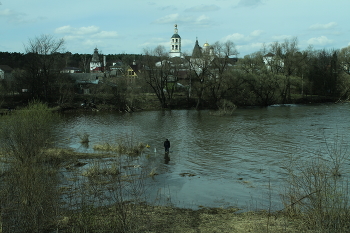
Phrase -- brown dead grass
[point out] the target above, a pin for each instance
(223, 220)
(165, 219)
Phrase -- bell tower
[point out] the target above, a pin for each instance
(175, 44)
(95, 61)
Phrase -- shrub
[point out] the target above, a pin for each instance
(26, 132)
(318, 193)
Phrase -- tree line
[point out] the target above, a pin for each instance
(279, 73)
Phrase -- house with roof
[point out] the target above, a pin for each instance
(5, 72)
(273, 62)
(117, 69)
(132, 72)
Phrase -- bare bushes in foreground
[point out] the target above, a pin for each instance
(25, 133)
(29, 196)
(318, 191)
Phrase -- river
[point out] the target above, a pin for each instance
(219, 161)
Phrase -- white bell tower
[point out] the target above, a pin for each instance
(175, 44)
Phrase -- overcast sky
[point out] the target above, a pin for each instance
(130, 26)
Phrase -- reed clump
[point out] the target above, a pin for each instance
(84, 138)
(121, 148)
(29, 194)
(97, 169)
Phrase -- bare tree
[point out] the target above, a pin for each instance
(344, 59)
(344, 68)
(200, 72)
(161, 73)
(43, 64)
(222, 64)
(260, 83)
(287, 61)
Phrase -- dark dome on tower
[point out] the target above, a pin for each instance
(176, 36)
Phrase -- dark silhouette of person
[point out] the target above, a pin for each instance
(166, 145)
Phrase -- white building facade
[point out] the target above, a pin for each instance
(95, 61)
(175, 44)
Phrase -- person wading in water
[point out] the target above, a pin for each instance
(166, 147)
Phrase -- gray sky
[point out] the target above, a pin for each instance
(130, 26)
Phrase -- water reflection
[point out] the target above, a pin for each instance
(233, 158)
(166, 158)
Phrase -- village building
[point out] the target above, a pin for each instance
(5, 72)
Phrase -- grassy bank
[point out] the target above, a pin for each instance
(146, 218)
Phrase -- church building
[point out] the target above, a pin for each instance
(95, 64)
(175, 44)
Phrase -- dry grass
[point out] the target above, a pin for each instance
(207, 220)
(97, 169)
(121, 148)
(153, 172)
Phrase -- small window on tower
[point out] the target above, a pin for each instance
(173, 40)
(176, 40)
(172, 46)
(175, 46)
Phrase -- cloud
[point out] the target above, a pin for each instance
(235, 37)
(154, 42)
(189, 20)
(92, 31)
(106, 34)
(258, 45)
(282, 37)
(249, 3)
(203, 8)
(169, 8)
(323, 26)
(322, 40)
(256, 33)
(7, 12)
(91, 43)
(77, 31)
(17, 17)
(172, 18)
(202, 20)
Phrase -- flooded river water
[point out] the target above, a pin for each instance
(218, 161)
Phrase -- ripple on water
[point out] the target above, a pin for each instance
(234, 159)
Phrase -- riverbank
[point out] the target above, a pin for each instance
(144, 102)
(145, 218)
